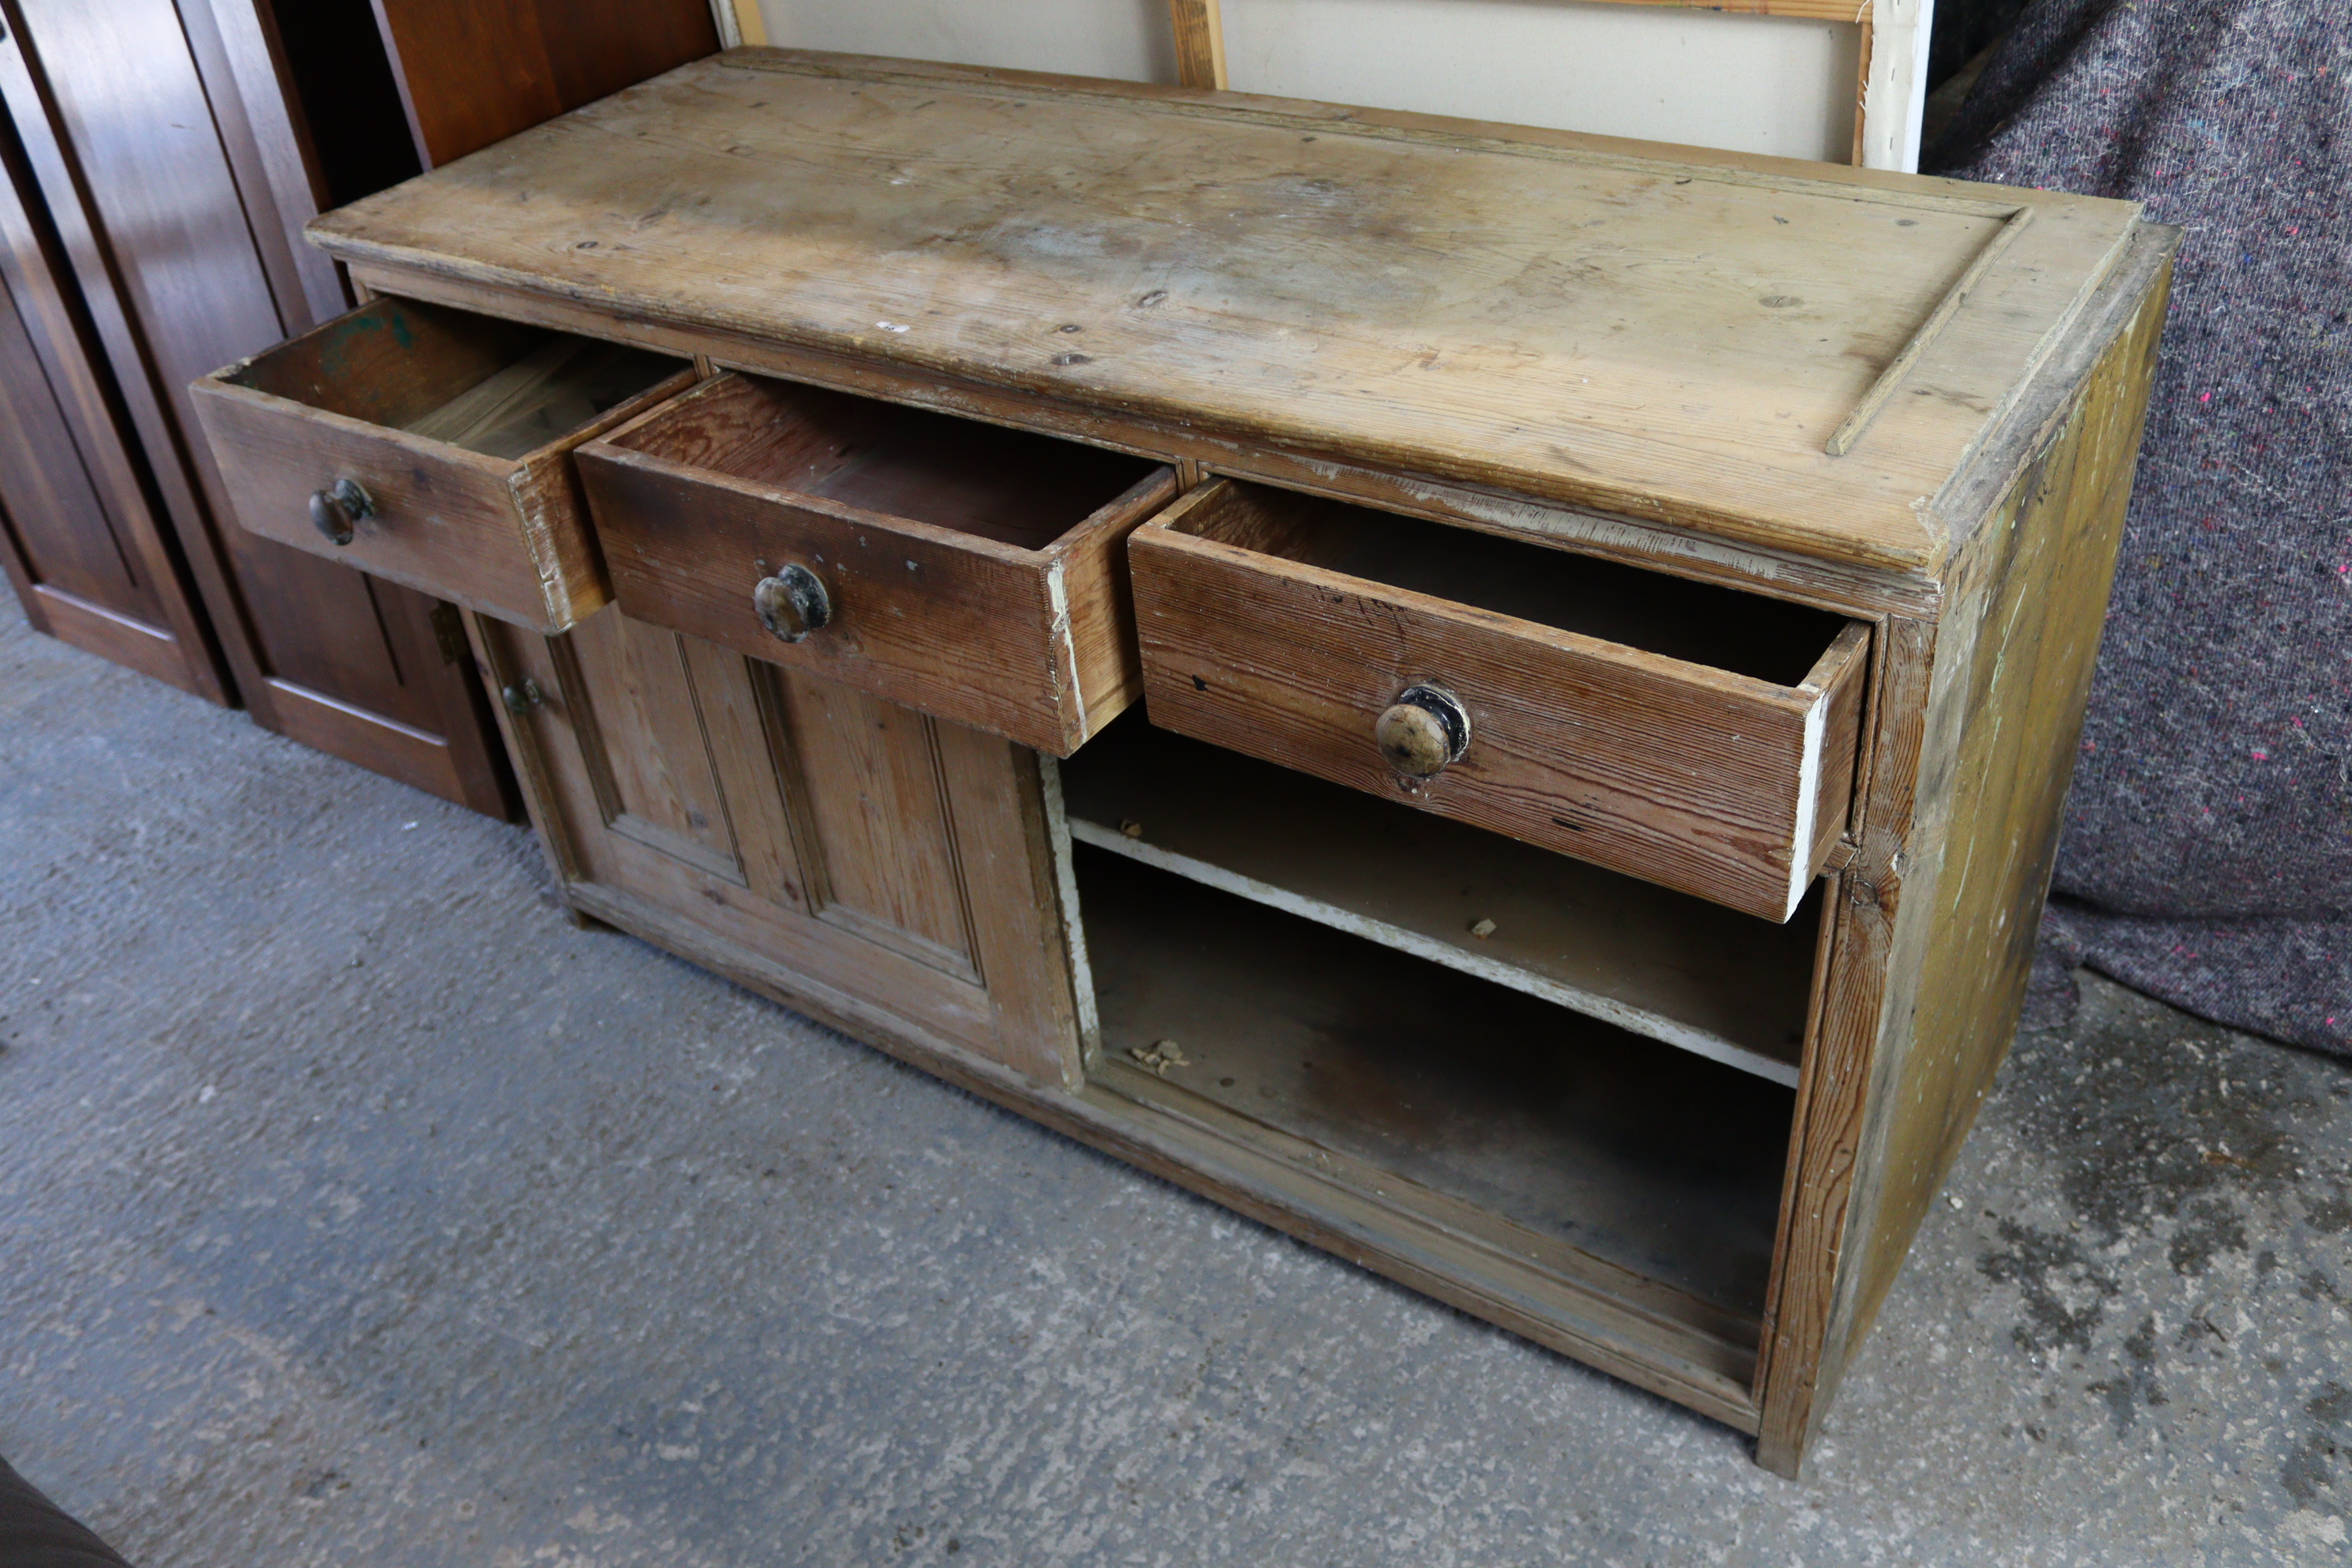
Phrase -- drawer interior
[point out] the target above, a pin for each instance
(1769, 639)
(1010, 486)
(492, 386)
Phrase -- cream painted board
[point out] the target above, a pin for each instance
(1777, 85)
(1128, 39)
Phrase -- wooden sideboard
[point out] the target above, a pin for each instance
(1497, 700)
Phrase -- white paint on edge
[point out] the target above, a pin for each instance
(1639, 1020)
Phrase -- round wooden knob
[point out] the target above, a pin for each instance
(1422, 730)
(791, 603)
(335, 510)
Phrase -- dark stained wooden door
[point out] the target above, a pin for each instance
(175, 208)
(476, 71)
(79, 535)
(860, 860)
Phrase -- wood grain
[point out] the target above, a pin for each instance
(2041, 587)
(985, 244)
(898, 861)
(1657, 963)
(1651, 1174)
(1200, 42)
(78, 537)
(473, 72)
(973, 573)
(1695, 340)
(172, 214)
(508, 537)
(1680, 550)
(1975, 720)
(1687, 775)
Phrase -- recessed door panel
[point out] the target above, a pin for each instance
(877, 819)
(878, 866)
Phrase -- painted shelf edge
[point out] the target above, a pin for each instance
(1607, 1009)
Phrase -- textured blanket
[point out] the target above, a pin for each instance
(2207, 857)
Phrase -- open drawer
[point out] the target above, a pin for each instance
(975, 574)
(433, 447)
(1695, 736)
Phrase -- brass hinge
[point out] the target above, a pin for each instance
(450, 632)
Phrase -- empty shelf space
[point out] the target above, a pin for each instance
(1653, 1176)
(1678, 969)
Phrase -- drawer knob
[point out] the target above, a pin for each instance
(1422, 730)
(334, 511)
(791, 603)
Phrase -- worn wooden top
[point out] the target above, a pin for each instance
(1576, 318)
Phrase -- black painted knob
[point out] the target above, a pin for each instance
(336, 511)
(791, 603)
(1425, 729)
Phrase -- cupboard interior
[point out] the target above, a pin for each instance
(1700, 623)
(1011, 486)
(1648, 1176)
(1678, 969)
(496, 387)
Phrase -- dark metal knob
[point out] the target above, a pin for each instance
(791, 603)
(1425, 729)
(335, 509)
(523, 697)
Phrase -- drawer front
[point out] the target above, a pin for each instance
(506, 536)
(1028, 643)
(1715, 783)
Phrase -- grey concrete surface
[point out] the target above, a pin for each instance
(354, 1208)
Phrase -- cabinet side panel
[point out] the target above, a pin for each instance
(2043, 597)
(1978, 715)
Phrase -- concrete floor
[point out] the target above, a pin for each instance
(356, 1208)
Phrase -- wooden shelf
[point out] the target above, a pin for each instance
(1652, 1177)
(1713, 982)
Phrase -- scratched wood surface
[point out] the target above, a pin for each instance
(507, 536)
(764, 817)
(1281, 627)
(1552, 315)
(1660, 963)
(1976, 721)
(971, 571)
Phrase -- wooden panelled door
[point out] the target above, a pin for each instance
(776, 826)
(79, 534)
(171, 200)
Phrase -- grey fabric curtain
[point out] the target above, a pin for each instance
(2207, 857)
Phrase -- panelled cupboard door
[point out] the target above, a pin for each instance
(77, 535)
(154, 177)
(854, 857)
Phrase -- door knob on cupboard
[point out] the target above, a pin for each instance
(335, 509)
(1420, 733)
(791, 603)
